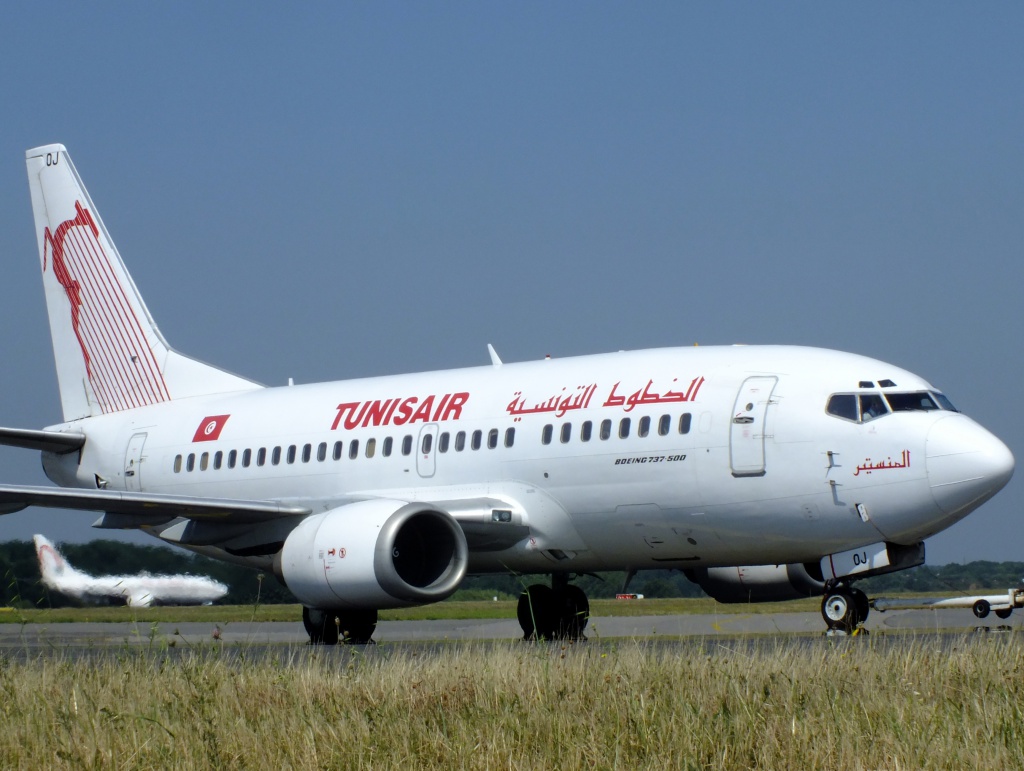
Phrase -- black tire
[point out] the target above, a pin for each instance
(981, 608)
(358, 626)
(861, 604)
(575, 613)
(320, 626)
(537, 613)
(1004, 612)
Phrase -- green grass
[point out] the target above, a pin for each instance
(477, 609)
(858, 704)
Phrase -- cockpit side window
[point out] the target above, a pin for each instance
(843, 406)
(871, 406)
(915, 401)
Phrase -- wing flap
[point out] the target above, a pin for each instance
(45, 441)
(146, 508)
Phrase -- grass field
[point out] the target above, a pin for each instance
(854, 704)
(441, 610)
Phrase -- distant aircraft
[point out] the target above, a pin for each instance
(762, 472)
(138, 591)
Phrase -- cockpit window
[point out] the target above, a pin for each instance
(864, 407)
(843, 406)
(917, 401)
(871, 406)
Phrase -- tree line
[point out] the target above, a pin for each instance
(20, 583)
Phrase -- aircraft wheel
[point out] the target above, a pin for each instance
(861, 604)
(320, 626)
(575, 614)
(839, 610)
(981, 608)
(1004, 612)
(537, 613)
(357, 626)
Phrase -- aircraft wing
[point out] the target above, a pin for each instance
(146, 508)
(46, 441)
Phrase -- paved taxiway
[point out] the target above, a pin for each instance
(55, 637)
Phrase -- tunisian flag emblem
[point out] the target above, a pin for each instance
(210, 428)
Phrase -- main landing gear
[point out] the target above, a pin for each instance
(329, 627)
(557, 612)
(844, 609)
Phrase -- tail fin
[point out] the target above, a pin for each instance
(110, 355)
(52, 565)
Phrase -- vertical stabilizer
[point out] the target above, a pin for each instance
(109, 353)
(52, 566)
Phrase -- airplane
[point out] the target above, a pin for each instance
(762, 472)
(138, 591)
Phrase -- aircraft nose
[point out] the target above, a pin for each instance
(966, 464)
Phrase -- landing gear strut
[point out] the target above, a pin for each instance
(844, 609)
(331, 626)
(557, 612)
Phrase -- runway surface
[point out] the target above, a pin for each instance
(57, 637)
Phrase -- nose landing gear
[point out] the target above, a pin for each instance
(844, 609)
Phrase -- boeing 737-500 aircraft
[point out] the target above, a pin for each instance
(139, 591)
(762, 472)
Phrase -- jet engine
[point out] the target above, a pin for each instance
(759, 583)
(374, 554)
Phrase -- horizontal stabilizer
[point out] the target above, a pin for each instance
(45, 441)
(147, 507)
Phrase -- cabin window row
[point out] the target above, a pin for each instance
(292, 453)
(643, 428)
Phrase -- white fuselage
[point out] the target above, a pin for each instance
(729, 456)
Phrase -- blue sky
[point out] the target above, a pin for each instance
(337, 190)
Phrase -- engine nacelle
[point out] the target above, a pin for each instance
(759, 583)
(374, 554)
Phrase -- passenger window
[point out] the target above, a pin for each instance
(371, 447)
(307, 452)
(232, 458)
(624, 428)
(386, 449)
(204, 461)
(478, 437)
(545, 434)
(406, 444)
(664, 424)
(871, 406)
(684, 423)
(275, 456)
(426, 444)
(460, 441)
(510, 437)
(353, 449)
(261, 456)
(643, 428)
(566, 432)
(492, 439)
(585, 431)
(321, 452)
(842, 406)
(606, 429)
(919, 401)
(190, 464)
(337, 450)
(218, 459)
(246, 458)
(442, 442)
(291, 453)
(177, 464)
